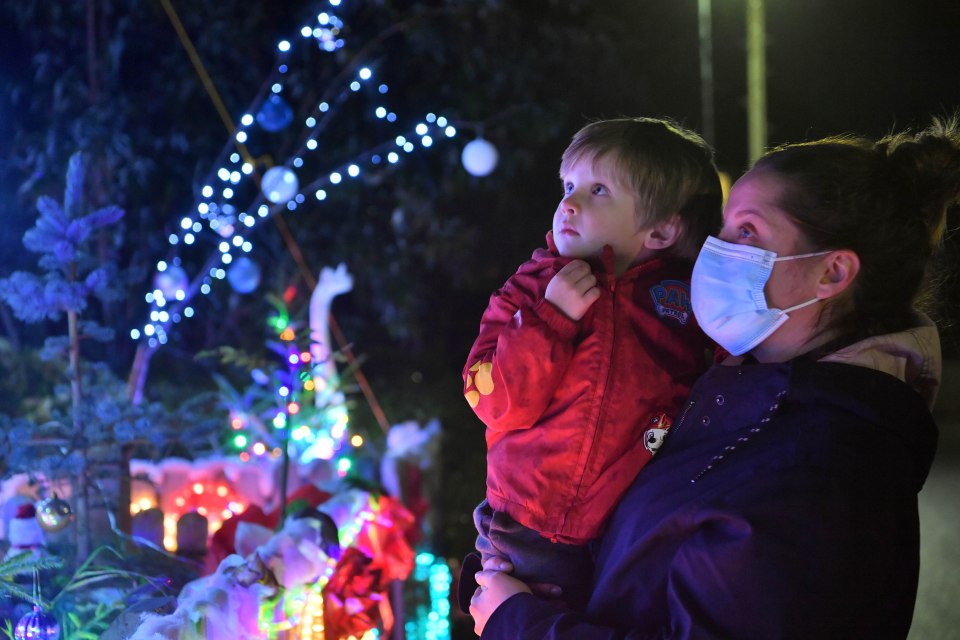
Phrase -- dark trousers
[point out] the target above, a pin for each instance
(535, 558)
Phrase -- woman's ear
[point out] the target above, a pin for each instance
(842, 268)
(663, 234)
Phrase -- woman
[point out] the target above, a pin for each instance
(784, 501)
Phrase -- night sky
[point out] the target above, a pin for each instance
(864, 67)
(834, 66)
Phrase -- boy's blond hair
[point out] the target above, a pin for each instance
(669, 168)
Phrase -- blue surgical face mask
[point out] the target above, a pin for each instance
(726, 292)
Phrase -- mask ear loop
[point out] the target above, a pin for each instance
(800, 306)
(797, 257)
(803, 255)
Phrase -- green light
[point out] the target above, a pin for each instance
(240, 441)
(343, 464)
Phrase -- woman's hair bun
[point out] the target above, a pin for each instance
(928, 165)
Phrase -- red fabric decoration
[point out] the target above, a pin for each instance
(385, 539)
(352, 599)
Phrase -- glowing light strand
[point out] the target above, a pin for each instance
(431, 620)
(230, 224)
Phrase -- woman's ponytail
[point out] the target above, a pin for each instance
(930, 163)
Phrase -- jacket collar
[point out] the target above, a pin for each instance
(605, 263)
(912, 355)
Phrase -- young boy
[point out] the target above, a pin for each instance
(586, 353)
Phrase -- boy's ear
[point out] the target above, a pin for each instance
(842, 268)
(664, 234)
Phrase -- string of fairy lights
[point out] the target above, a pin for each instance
(216, 211)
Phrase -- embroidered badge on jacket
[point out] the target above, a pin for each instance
(671, 299)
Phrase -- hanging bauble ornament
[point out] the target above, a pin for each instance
(479, 157)
(170, 281)
(53, 514)
(243, 275)
(279, 185)
(37, 625)
(275, 114)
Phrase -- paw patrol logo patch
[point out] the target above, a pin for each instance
(671, 299)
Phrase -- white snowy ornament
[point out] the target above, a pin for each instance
(279, 185)
(479, 157)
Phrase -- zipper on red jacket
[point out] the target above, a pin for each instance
(603, 399)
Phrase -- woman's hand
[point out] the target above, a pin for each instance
(495, 587)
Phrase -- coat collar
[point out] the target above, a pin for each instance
(605, 263)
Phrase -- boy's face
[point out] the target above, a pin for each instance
(597, 210)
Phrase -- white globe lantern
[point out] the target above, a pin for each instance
(479, 157)
(279, 185)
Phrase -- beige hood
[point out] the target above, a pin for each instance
(912, 355)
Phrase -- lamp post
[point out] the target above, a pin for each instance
(705, 30)
(756, 75)
(756, 80)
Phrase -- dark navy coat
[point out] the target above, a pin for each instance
(782, 505)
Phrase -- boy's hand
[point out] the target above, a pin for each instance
(573, 289)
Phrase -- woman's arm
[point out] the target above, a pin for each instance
(792, 555)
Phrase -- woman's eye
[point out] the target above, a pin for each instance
(739, 233)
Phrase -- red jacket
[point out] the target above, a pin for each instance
(574, 409)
